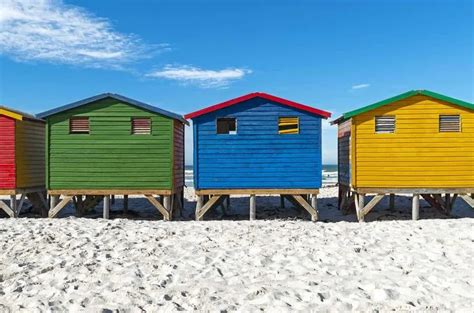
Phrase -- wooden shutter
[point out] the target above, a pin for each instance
(141, 126)
(79, 125)
(449, 123)
(384, 124)
(288, 125)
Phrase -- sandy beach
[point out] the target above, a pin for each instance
(280, 263)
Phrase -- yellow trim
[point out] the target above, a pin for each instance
(11, 114)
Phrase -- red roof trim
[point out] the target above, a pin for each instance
(231, 102)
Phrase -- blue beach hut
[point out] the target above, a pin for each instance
(257, 144)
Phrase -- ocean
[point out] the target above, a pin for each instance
(329, 175)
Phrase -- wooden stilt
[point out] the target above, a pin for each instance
(159, 207)
(282, 201)
(447, 201)
(253, 207)
(199, 205)
(13, 205)
(212, 201)
(314, 204)
(55, 208)
(167, 203)
(112, 199)
(359, 206)
(125, 204)
(415, 210)
(106, 206)
(226, 204)
(7, 209)
(392, 202)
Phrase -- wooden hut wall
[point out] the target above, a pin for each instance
(344, 153)
(109, 157)
(7, 153)
(178, 158)
(257, 156)
(30, 155)
(417, 154)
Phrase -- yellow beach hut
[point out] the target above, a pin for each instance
(419, 143)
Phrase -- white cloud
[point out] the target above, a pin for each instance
(49, 30)
(201, 77)
(360, 86)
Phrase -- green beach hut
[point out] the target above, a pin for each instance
(110, 145)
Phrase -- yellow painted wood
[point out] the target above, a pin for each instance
(288, 121)
(13, 115)
(29, 154)
(417, 155)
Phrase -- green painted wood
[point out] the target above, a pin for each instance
(109, 157)
(407, 95)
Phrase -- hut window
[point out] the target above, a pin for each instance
(384, 124)
(227, 126)
(449, 123)
(288, 125)
(79, 125)
(141, 126)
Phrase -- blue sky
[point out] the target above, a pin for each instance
(184, 55)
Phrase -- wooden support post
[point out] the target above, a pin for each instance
(7, 209)
(282, 201)
(392, 202)
(415, 210)
(112, 199)
(55, 208)
(212, 201)
(159, 207)
(314, 204)
(359, 202)
(199, 205)
(53, 200)
(447, 201)
(125, 204)
(167, 203)
(469, 200)
(106, 206)
(226, 204)
(20, 204)
(13, 205)
(253, 207)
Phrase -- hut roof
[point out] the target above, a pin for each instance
(402, 96)
(266, 96)
(18, 115)
(118, 97)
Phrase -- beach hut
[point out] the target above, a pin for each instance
(257, 144)
(111, 145)
(21, 160)
(419, 143)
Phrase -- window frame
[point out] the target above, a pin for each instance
(71, 132)
(385, 132)
(226, 118)
(140, 118)
(297, 125)
(450, 115)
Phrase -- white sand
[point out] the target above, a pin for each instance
(278, 264)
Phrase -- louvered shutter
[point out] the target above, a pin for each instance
(449, 123)
(79, 125)
(141, 126)
(384, 124)
(288, 125)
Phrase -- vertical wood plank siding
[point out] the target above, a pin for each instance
(257, 156)
(417, 155)
(178, 158)
(7, 153)
(343, 153)
(30, 161)
(110, 157)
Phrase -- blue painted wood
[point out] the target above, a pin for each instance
(257, 156)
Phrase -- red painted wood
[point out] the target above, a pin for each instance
(259, 95)
(7, 153)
